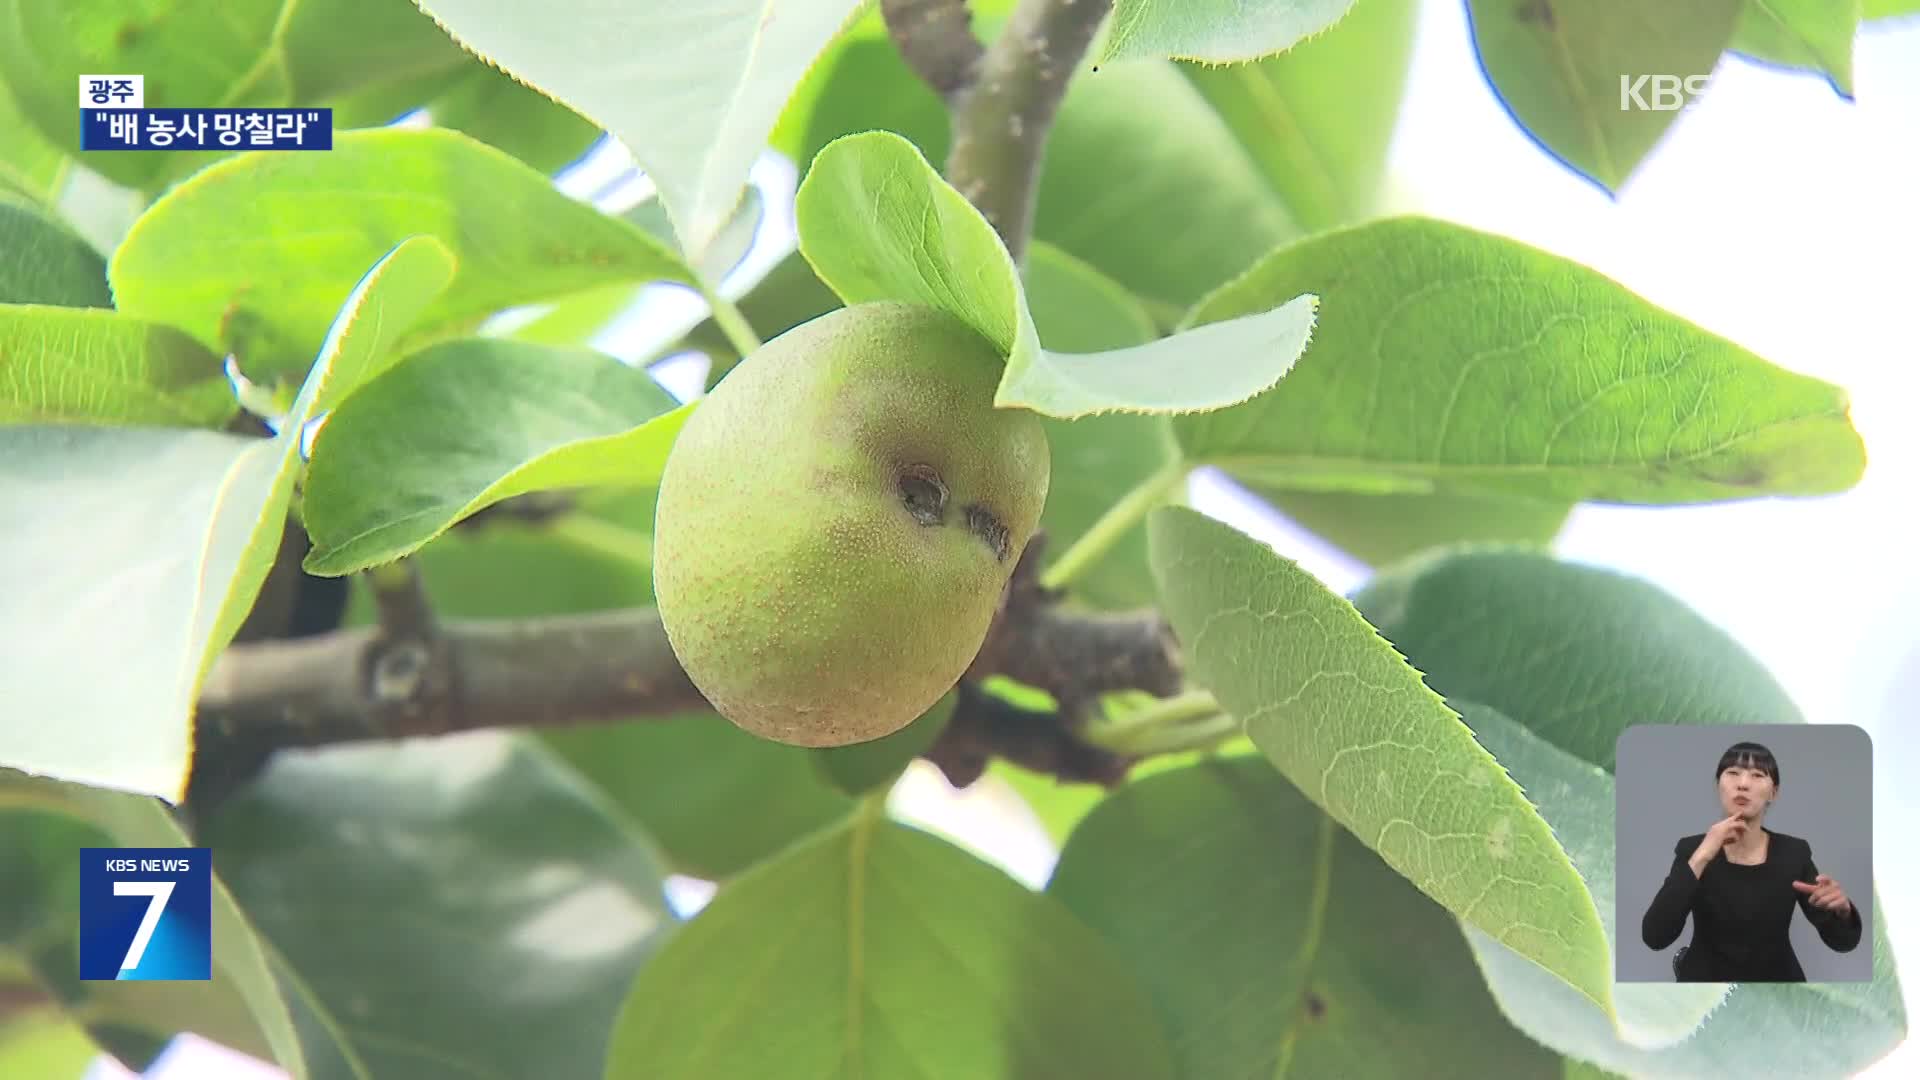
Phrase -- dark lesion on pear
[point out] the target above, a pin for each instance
(982, 523)
(923, 493)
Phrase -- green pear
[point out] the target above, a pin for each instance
(838, 520)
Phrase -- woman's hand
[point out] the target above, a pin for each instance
(1826, 894)
(1725, 831)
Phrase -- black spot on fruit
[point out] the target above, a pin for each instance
(922, 493)
(982, 523)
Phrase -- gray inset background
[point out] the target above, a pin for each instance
(1666, 790)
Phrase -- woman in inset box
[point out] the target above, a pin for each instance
(1740, 881)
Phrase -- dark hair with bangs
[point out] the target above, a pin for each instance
(1748, 755)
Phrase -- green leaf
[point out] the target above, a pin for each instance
(43, 825)
(407, 280)
(172, 512)
(149, 546)
(916, 959)
(864, 767)
(383, 103)
(201, 53)
(1059, 805)
(1888, 9)
(29, 164)
(728, 249)
(489, 105)
(333, 47)
(694, 100)
(1191, 210)
(1311, 956)
(1564, 630)
(251, 255)
(44, 1043)
(592, 556)
(1449, 360)
(1577, 799)
(1814, 35)
(46, 262)
(77, 365)
(465, 424)
(878, 223)
(716, 798)
(1076, 308)
(1317, 119)
(1559, 68)
(1381, 529)
(1348, 721)
(1219, 31)
(481, 101)
(1819, 1030)
(464, 907)
(577, 319)
(861, 83)
(1097, 460)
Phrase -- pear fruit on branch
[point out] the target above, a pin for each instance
(838, 519)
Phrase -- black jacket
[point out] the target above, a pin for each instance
(1741, 914)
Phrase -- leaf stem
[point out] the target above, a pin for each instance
(734, 325)
(1199, 735)
(1316, 924)
(871, 807)
(1182, 708)
(1188, 721)
(1107, 531)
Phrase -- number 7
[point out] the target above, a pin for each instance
(159, 891)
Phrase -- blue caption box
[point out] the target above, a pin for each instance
(146, 913)
(206, 129)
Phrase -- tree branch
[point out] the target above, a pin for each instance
(1078, 656)
(935, 38)
(460, 675)
(364, 684)
(1075, 656)
(1000, 125)
(984, 727)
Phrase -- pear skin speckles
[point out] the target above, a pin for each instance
(813, 595)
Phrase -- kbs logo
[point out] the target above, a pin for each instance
(146, 913)
(1660, 93)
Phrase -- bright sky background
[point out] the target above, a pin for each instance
(1775, 214)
